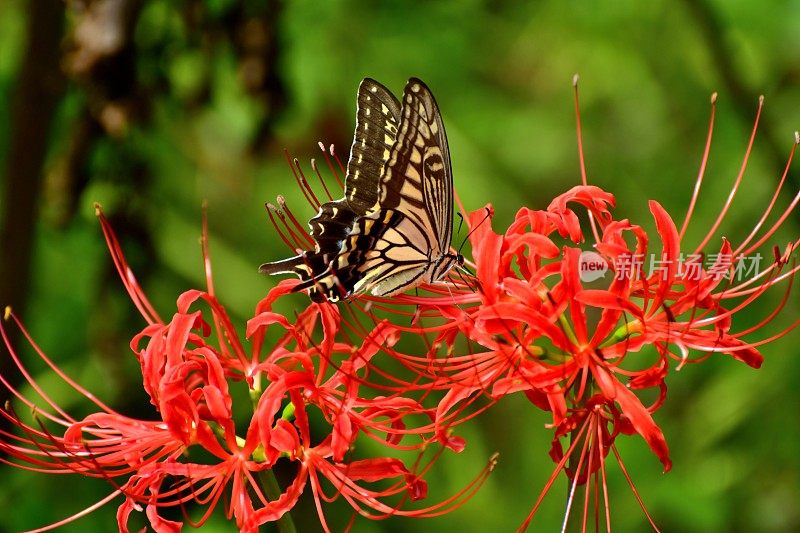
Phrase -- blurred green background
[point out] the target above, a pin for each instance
(151, 106)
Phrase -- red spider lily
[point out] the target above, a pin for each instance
(345, 478)
(425, 380)
(186, 373)
(592, 430)
(569, 345)
(580, 349)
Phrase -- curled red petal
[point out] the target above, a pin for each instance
(639, 417)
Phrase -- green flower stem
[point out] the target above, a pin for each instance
(574, 523)
(273, 491)
(255, 391)
(567, 328)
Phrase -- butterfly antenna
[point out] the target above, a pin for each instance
(478, 225)
(460, 221)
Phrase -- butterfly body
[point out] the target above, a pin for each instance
(391, 231)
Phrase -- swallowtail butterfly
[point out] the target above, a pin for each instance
(391, 231)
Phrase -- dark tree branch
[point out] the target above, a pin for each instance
(40, 87)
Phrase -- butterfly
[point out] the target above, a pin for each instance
(391, 232)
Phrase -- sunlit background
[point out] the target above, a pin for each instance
(150, 107)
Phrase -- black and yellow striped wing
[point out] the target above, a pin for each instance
(406, 241)
(418, 179)
(377, 121)
(391, 233)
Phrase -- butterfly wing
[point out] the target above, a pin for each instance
(393, 252)
(388, 234)
(377, 119)
(405, 241)
(385, 253)
(417, 179)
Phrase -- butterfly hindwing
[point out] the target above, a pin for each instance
(393, 252)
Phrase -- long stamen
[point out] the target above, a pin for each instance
(726, 206)
(300, 234)
(783, 216)
(581, 158)
(274, 213)
(294, 166)
(330, 164)
(315, 168)
(702, 172)
(141, 302)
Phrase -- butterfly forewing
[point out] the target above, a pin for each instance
(409, 234)
(418, 179)
(377, 120)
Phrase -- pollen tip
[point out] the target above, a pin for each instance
(714, 97)
(330, 149)
(321, 146)
(575, 79)
(761, 99)
(493, 460)
(98, 209)
(797, 137)
(7, 313)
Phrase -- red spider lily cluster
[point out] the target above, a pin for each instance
(526, 318)
(583, 348)
(192, 451)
